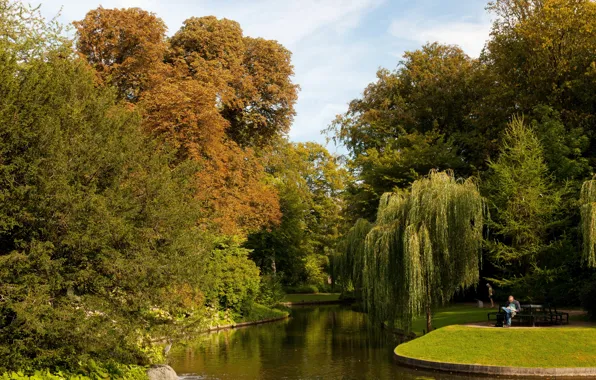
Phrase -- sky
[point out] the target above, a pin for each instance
(337, 45)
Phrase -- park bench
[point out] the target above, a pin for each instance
(533, 314)
(557, 317)
(520, 318)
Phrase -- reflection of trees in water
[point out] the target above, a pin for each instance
(316, 342)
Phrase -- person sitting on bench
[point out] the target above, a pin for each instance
(510, 310)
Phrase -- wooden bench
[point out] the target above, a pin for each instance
(520, 317)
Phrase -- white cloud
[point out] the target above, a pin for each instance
(470, 36)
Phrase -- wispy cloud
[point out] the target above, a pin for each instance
(469, 35)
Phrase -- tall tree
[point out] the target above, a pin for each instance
(410, 121)
(309, 181)
(125, 46)
(182, 92)
(425, 245)
(523, 203)
(541, 53)
(96, 227)
(252, 77)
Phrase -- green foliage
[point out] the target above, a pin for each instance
(271, 291)
(96, 227)
(588, 299)
(350, 259)
(261, 313)
(303, 289)
(425, 246)
(523, 203)
(408, 122)
(234, 277)
(91, 371)
(309, 180)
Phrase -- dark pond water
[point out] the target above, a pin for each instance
(321, 342)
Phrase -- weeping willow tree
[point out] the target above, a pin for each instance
(425, 246)
(351, 261)
(587, 201)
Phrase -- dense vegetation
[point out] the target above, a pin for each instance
(148, 189)
(520, 119)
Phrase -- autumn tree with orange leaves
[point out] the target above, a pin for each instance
(214, 94)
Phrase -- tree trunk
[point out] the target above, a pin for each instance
(429, 317)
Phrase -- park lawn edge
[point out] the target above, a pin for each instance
(526, 348)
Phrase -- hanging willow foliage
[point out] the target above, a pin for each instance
(587, 200)
(424, 247)
(351, 261)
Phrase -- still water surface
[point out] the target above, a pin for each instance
(319, 342)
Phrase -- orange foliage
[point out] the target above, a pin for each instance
(252, 77)
(212, 96)
(124, 46)
(231, 182)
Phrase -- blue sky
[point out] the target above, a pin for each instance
(337, 45)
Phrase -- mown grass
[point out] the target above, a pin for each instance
(319, 297)
(452, 315)
(517, 347)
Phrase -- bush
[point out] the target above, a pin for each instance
(234, 277)
(303, 289)
(588, 299)
(270, 291)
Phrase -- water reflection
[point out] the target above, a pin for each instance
(324, 342)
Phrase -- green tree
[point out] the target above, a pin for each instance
(425, 245)
(410, 121)
(97, 229)
(309, 181)
(523, 204)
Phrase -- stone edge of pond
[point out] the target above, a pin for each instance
(243, 324)
(494, 370)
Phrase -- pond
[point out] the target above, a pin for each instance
(318, 342)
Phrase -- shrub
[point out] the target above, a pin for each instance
(588, 299)
(303, 289)
(271, 291)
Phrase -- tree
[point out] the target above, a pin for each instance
(588, 227)
(231, 184)
(97, 228)
(125, 46)
(410, 121)
(523, 204)
(181, 92)
(309, 181)
(424, 246)
(351, 256)
(252, 77)
(541, 53)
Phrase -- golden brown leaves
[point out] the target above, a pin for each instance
(124, 45)
(212, 96)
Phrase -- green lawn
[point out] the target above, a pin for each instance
(452, 315)
(297, 298)
(516, 347)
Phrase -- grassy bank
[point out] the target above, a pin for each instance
(524, 347)
(305, 298)
(261, 313)
(451, 315)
